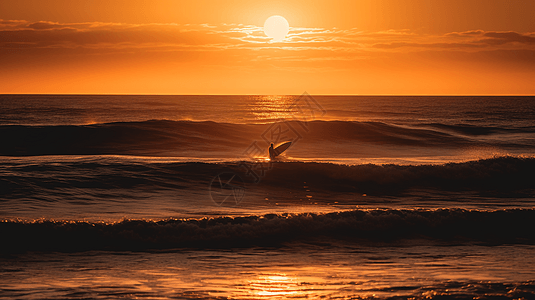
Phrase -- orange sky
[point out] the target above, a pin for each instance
(218, 47)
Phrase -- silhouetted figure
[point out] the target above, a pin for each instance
(272, 152)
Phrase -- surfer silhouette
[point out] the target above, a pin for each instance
(271, 152)
(276, 151)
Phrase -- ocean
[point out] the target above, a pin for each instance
(174, 197)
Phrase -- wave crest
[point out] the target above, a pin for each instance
(174, 138)
(443, 226)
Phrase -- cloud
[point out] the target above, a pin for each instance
(44, 25)
(227, 36)
(107, 35)
(470, 33)
(496, 37)
(508, 37)
(244, 43)
(475, 39)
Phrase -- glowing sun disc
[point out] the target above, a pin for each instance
(276, 27)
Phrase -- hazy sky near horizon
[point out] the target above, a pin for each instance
(219, 47)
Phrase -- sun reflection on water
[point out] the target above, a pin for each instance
(273, 107)
(275, 285)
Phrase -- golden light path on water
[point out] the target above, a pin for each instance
(303, 272)
(273, 108)
(275, 285)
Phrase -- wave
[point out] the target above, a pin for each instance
(496, 177)
(461, 290)
(371, 226)
(506, 175)
(143, 138)
(473, 130)
(176, 138)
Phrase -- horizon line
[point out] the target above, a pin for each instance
(366, 95)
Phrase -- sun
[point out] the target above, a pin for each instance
(276, 27)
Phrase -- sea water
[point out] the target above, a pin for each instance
(174, 197)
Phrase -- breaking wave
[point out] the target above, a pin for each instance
(362, 226)
(501, 176)
(175, 138)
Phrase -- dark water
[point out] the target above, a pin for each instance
(378, 197)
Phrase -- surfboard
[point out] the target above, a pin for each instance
(279, 149)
